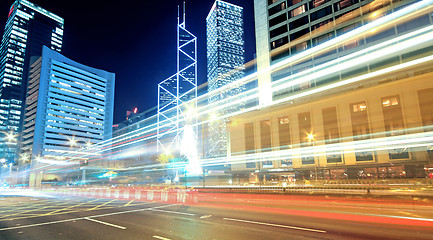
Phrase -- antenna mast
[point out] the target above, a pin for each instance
(184, 13)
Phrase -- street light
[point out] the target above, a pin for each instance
(10, 137)
(72, 141)
(24, 157)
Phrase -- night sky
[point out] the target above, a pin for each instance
(134, 39)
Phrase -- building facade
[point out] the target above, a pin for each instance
(225, 61)
(287, 28)
(366, 133)
(27, 29)
(358, 106)
(69, 107)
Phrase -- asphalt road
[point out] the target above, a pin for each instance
(40, 217)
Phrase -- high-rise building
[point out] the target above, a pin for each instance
(69, 107)
(225, 61)
(28, 28)
(355, 75)
(288, 27)
(177, 95)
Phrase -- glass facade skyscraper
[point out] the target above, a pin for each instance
(27, 29)
(225, 59)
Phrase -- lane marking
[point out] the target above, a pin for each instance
(128, 203)
(276, 225)
(385, 216)
(90, 209)
(63, 209)
(168, 211)
(18, 213)
(20, 207)
(81, 218)
(105, 223)
(162, 238)
(135, 210)
(206, 216)
(38, 224)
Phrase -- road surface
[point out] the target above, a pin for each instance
(47, 217)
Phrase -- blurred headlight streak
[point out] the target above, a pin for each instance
(125, 146)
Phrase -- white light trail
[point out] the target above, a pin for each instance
(405, 43)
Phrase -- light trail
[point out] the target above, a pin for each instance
(355, 58)
(405, 43)
(386, 21)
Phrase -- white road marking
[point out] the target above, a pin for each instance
(38, 224)
(276, 225)
(206, 216)
(162, 238)
(81, 218)
(105, 223)
(167, 211)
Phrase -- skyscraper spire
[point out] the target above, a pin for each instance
(184, 13)
(175, 91)
(178, 14)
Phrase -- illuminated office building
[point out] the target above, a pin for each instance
(69, 108)
(358, 106)
(27, 29)
(289, 27)
(225, 59)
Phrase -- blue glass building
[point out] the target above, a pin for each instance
(27, 29)
(69, 107)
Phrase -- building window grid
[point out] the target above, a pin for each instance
(394, 124)
(312, 8)
(361, 107)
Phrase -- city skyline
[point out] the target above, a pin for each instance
(88, 35)
(327, 133)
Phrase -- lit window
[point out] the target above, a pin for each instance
(317, 3)
(284, 120)
(359, 107)
(391, 101)
(297, 11)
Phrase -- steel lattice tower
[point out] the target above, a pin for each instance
(177, 95)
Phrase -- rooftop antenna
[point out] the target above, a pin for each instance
(178, 13)
(183, 13)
